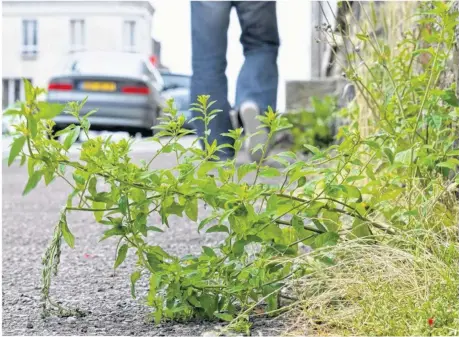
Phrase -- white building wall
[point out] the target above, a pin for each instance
(103, 23)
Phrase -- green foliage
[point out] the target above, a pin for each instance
(362, 188)
(313, 126)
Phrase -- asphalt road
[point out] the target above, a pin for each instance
(86, 278)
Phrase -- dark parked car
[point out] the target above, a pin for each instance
(124, 87)
(177, 86)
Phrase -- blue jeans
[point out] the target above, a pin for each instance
(258, 77)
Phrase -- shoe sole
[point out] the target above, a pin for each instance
(251, 124)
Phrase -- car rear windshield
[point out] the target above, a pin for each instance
(124, 65)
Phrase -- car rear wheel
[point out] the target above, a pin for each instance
(145, 133)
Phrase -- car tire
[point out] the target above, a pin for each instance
(146, 133)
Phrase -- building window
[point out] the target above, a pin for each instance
(29, 37)
(13, 90)
(129, 35)
(77, 35)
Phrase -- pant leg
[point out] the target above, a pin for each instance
(259, 76)
(209, 30)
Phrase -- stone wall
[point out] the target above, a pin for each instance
(376, 17)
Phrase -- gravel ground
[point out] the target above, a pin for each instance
(86, 278)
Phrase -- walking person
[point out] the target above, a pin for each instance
(256, 87)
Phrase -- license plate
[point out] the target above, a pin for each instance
(99, 86)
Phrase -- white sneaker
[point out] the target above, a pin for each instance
(234, 116)
(249, 111)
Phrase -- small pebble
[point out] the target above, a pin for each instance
(29, 325)
(71, 320)
(84, 329)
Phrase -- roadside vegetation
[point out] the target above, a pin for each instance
(379, 208)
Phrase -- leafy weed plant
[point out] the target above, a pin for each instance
(362, 188)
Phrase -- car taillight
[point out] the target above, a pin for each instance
(135, 89)
(60, 86)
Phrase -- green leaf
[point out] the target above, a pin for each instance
(224, 316)
(176, 209)
(389, 154)
(362, 37)
(301, 182)
(238, 247)
(93, 111)
(209, 303)
(158, 251)
(154, 229)
(258, 147)
(218, 228)
(209, 251)
(451, 163)
(28, 88)
(135, 276)
(71, 196)
(98, 215)
(79, 179)
(205, 222)
(272, 204)
(354, 178)
(92, 184)
(271, 232)
(68, 236)
(116, 231)
(23, 159)
(326, 239)
(191, 209)
(14, 111)
(298, 225)
(72, 137)
(272, 301)
(32, 182)
(287, 154)
(353, 192)
(16, 148)
(140, 223)
(49, 177)
(123, 204)
(62, 168)
(154, 262)
(32, 126)
(360, 229)
(269, 172)
(194, 301)
(122, 252)
(313, 149)
(450, 98)
(319, 225)
(403, 157)
(49, 110)
(244, 169)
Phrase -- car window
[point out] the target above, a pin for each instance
(176, 81)
(109, 64)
